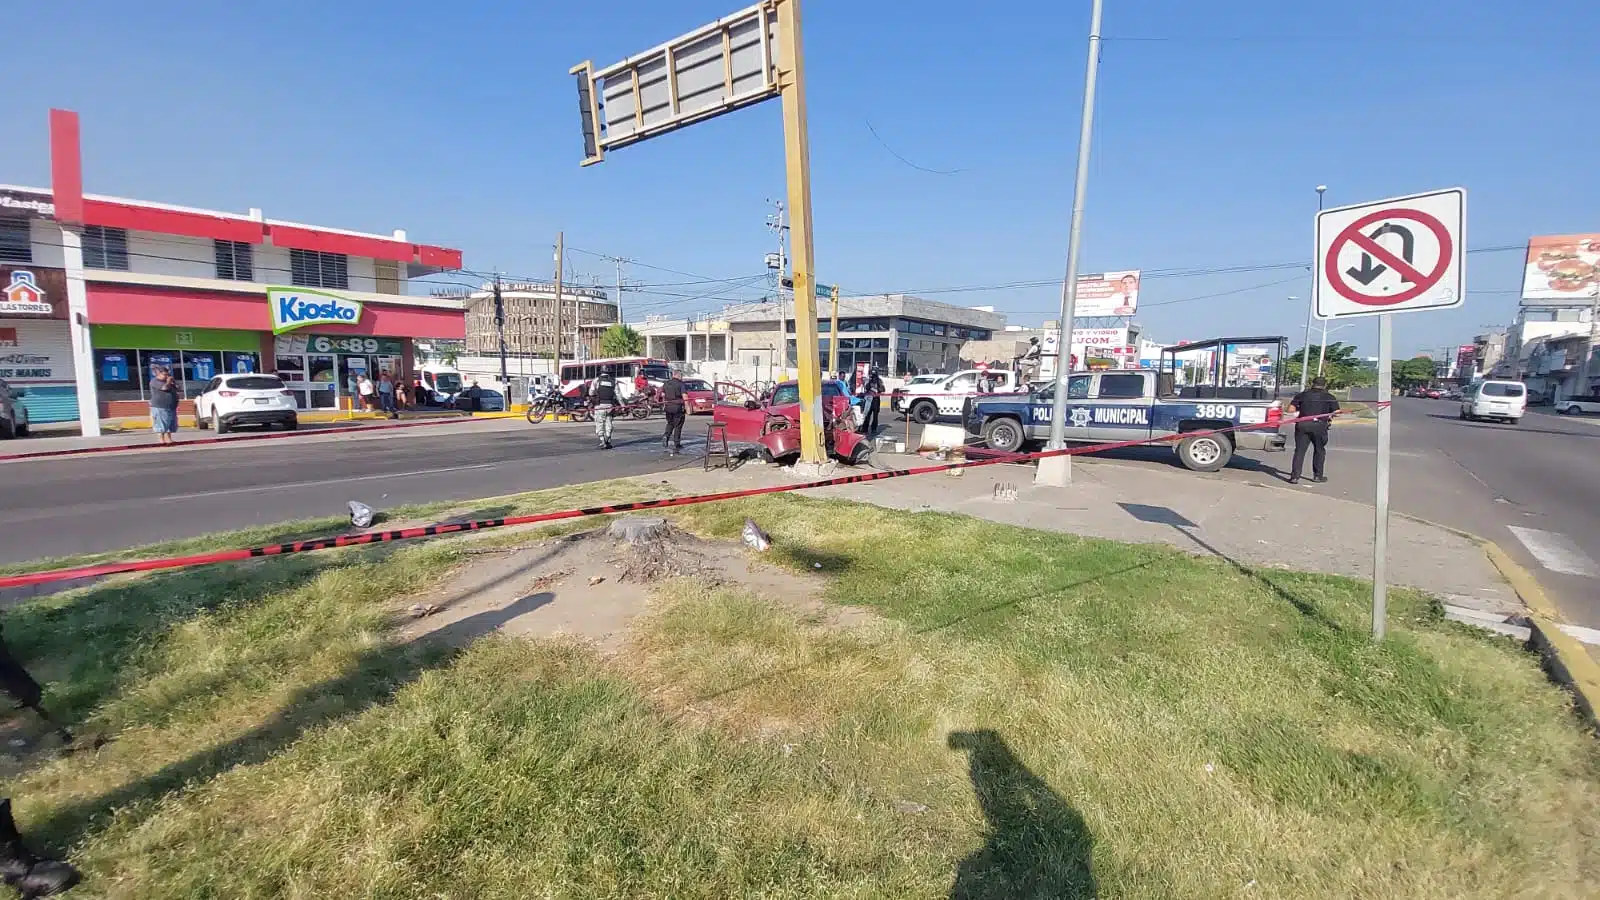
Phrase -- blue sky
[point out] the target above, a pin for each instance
(458, 122)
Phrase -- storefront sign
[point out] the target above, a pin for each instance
(35, 351)
(293, 308)
(24, 295)
(296, 345)
(31, 203)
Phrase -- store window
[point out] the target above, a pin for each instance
(105, 248)
(124, 374)
(15, 244)
(235, 260)
(312, 268)
(116, 375)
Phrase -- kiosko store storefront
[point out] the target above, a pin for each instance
(35, 342)
(316, 341)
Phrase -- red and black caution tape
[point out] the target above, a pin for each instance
(403, 534)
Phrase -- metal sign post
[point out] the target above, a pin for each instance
(749, 57)
(1380, 519)
(1404, 254)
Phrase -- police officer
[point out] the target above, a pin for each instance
(603, 398)
(1313, 433)
(672, 405)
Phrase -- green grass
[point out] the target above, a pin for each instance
(1020, 714)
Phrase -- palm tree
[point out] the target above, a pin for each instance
(620, 340)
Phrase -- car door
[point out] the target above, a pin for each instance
(953, 395)
(207, 399)
(1078, 412)
(1121, 407)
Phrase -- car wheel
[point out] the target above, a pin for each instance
(1513, 421)
(923, 412)
(20, 430)
(292, 424)
(1205, 452)
(1004, 435)
(200, 421)
(219, 426)
(8, 429)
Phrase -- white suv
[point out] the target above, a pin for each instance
(230, 400)
(13, 415)
(1504, 400)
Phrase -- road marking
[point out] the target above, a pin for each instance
(1555, 552)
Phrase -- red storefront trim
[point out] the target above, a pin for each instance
(128, 304)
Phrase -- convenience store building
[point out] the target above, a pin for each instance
(106, 288)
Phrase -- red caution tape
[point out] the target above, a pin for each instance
(402, 534)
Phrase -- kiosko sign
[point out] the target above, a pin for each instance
(293, 308)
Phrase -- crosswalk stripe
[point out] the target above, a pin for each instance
(1556, 552)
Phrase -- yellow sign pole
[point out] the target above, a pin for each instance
(797, 162)
(833, 336)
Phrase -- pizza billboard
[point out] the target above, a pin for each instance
(1562, 267)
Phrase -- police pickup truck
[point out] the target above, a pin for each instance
(1135, 405)
(927, 401)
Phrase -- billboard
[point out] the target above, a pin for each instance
(1562, 267)
(1466, 360)
(1108, 294)
(1091, 348)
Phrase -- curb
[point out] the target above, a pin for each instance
(1566, 661)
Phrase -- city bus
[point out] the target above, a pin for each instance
(577, 373)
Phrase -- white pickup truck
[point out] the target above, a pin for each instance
(926, 402)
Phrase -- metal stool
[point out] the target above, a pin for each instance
(717, 445)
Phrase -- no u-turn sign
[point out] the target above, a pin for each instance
(1398, 255)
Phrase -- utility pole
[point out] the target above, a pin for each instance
(1311, 305)
(797, 166)
(500, 327)
(1057, 470)
(555, 357)
(833, 335)
(619, 261)
(778, 226)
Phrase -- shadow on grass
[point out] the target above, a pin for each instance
(1161, 515)
(85, 648)
(373, 679)
(1036, 847)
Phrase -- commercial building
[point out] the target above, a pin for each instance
(100, 289)
(896, 333)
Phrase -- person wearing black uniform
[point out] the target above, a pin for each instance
(1313, 434)
(869, 389)
(672, 405)
(603, 397)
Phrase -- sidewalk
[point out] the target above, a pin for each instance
(1248, 525)
(131, 432)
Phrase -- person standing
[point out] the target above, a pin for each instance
(1313, 433)
(603, 397)
(869, 388)
(672, 405)
(163, 404)
(386, 394)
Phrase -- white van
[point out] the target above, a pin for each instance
(1504, 400)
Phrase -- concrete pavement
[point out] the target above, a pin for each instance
(57, 507)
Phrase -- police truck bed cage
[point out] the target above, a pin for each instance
(1224, 368)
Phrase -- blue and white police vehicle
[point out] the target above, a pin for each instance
(1223, 390)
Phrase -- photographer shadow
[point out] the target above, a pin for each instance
(1037, 845)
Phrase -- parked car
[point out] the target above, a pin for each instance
(1503, 400)
(1585, 403)
(925, 403)
(698, 396)
(1434, 394)
(232, 400)
(13, 415)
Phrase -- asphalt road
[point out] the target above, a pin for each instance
(56, 507)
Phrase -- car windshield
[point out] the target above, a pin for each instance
(656, 373)
(447, 382)
(257, 383)
(1497, 389)
(696, 385)
(785, 393)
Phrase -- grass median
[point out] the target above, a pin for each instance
(1003, 713)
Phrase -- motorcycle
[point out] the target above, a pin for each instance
(553, 402)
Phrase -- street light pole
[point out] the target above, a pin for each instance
(1311, 306)
(1057, 470)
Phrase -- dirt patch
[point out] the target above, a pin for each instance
(588, 585)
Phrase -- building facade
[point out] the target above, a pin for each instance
(895, 333)
(529, 311)
(105, 288)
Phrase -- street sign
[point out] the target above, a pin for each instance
(1398, 255)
